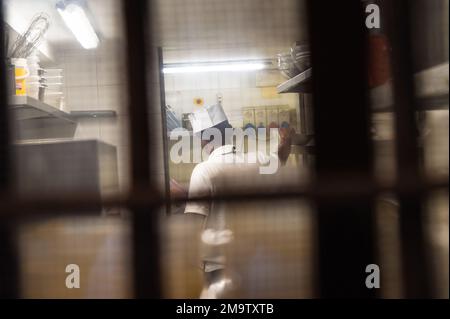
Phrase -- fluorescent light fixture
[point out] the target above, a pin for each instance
(77, 21)
(211, 67)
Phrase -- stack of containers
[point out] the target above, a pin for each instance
(45, 85)
(33, 81)
(52, 87)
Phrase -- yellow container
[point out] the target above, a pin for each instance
(21, 72)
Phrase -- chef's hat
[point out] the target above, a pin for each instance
(207, 117)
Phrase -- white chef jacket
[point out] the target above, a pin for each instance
(221, 161)
(206, 180)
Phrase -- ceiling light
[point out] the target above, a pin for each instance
(77, 21)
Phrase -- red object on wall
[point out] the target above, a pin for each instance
(379, 60)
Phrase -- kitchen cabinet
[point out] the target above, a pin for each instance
(64, 168)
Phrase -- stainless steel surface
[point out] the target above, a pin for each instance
(297, 84)
(92, 113)
(26, 108)
(66, 167)
(37, 120)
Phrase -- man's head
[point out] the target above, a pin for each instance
(216, 136)
(210, 124)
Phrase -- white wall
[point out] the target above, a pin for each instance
(239, 89)
(95, 80)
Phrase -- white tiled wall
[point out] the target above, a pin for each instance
(238, 89)
(95, 80)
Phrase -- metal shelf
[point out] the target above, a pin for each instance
(301, 83)
(28, 108)
(38, 120)
(431, 87)
(93, 114)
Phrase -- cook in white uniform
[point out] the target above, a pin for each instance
(205, 181)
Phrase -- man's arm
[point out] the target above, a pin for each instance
(177, 190)
(285, 141)
(196, 212)
(199, 186)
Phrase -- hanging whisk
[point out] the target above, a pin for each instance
(26, 43)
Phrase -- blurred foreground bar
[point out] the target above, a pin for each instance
(345, 228)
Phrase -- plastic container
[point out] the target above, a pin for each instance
(248, 117)
(52, 87)
(21, 72)
(272, 117)
(54, 99)
(52, 72)
(260, 118)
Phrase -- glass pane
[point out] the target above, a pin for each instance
(67, 97)
(437, 240)
(231, 62)
(75, 257)
(260, 249)
(429, 30)
(68, 103)
(221, 64)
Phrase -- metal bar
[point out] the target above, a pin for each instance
(5, 167)
(302, 112)
(9, 277)
(73, 204)
(416, 271)
(145, 220)
(343, 149)
(303, 124)
(162, 93)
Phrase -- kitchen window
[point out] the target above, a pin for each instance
(100, 93)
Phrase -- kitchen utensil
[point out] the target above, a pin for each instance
(26, 43)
